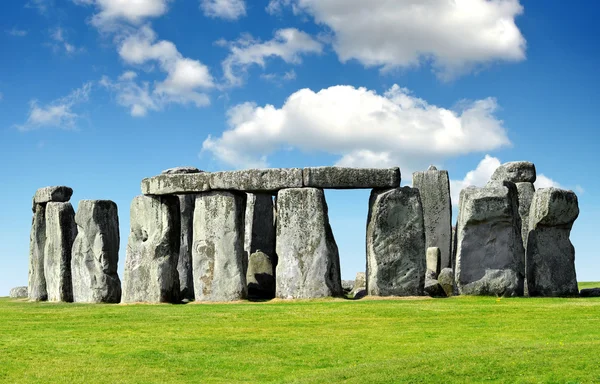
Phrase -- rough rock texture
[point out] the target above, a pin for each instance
(218, 249)
(96, 253)
(446, 280)
(60, 194)
(18, 293)
(433, 259)
(37, 243)
(525, 192)
(395, 243)
(181, 170)
(61, 231)
(516, 172)
(590, 292)
(309, 264)
(453, 249)
(490, 254)
(347, 285)
(346, 178)
(152, 251)
(176, 183)
(433, 288)
(259, 231)
(268, 180)
(360, 281)
(260, 277)
(434, 188)
(185, 268)
(550, 254)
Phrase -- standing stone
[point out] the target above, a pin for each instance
(152, 251)
(218, 249)
(37, 243)
(260, 277)
(453, 249)
(550, 254)
(490, 254)
(309, 263)
(61, 231)
(434, 188)
(525, 191)
(96, 253)
(434, 260)
(395, 243)
(259, 231)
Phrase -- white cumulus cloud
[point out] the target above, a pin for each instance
(454, 36)
(223, 9)
(111, 12)
(360, 126)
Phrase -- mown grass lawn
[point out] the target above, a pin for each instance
(461, 339)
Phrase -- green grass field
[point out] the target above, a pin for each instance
(461, 339)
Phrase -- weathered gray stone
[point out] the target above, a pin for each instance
(395, 243)
(434, 188)
(268, 180)
(176, 184)
(446, 280)
(347, 285)
(95, 254)
(309, 264)
(516, 172)
(260, 276)
(550, 254)
(219, 246)
(37, 243)
(61, 231)
(590, 292)
(360, 281)
(185, 268)
(347, 178)
(525, 191)
(490, 254)
(18, 293)
(181, 170)
(433, 288)
(60, 194)
(454, 244)
(152, 251)
(434, 257)
(259, 231)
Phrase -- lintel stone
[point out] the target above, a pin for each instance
(351, 178)
(176, 184)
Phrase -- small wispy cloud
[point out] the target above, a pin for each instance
(42, 6)
(16, 32)
(61, 43)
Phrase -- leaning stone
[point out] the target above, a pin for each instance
(433, 288)
(268, 180)
(490, 254)
(96, 253)
(526, 191)
(218, 248)
(181, 170)
(152, 251)
(351, 178)
(37, 243)
(550, 254)
(260, 276)
(60, 194)
(516, 172)
(61, 231)
(434, 189)
(309, 264)
(259, 231)
(446, 280)
(590, 292)
(176, 184)
(395, 243)
(434, 259)
(18, 293)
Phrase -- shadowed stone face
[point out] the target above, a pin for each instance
(219, 246)
(259, 232)
(37, 281)
(59, 194)
(260, 277)
(60, 234)
(395, 243)
(309, 265)
(96, 253)
(348, 178)
(525, 191)
(152, 251)
(184, 264)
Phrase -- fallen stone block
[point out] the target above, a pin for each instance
(590, 292)
(351, 178)
(18, 293)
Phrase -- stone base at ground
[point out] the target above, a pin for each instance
(61, 231)
(18, 293)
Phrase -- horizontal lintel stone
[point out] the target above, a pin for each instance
(257, 180)
(171, 184)
(59, 194)
(351, 178)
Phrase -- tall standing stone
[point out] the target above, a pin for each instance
(395, 243)
(152, 251)
(550, 254)
(37, 242)
(96, 253)
(525, 191)
(309, 263)
(259, 232)
(433, 260)
(434, 188)
(490, 254)
(61, 231)
(218, 249)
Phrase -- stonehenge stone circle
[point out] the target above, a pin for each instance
(395, 243)
(152, 251)
(218, 248)
(18, 293)
(515, 172)
(434, 189)
(351, 178)
(433, 259)
(259, 232)
(550, 260)
(490, 254)
(37, 281)
(61, 231)
(95, 254)
(260, 277)
(309, 264)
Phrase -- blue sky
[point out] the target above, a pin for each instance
(98, 94)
